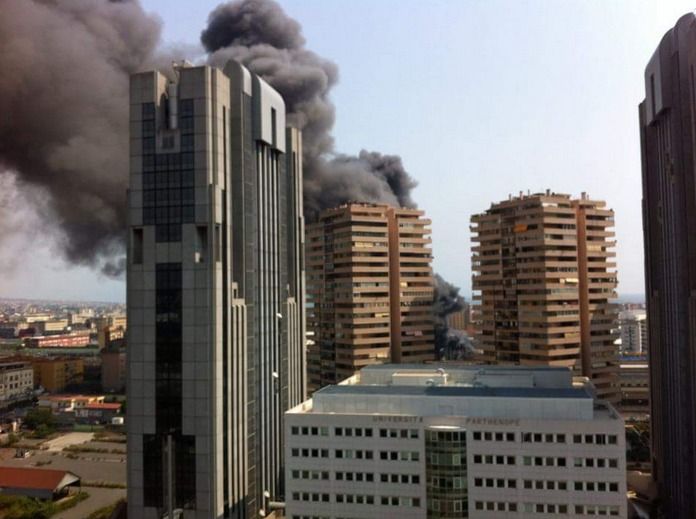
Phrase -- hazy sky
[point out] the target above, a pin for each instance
(480, 98)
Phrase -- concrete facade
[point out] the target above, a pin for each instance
(633, 325)
(113, 370)
(16, 380)
(215, 292)
(414, 442)
(669, 232)
(55, 374)
(370, 290)
(635, 388)
(544, 280)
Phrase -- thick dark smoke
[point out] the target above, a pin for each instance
(64, 117)
(259, 34)
(447, 298)
(447, 301)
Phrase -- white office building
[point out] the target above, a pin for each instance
(634, 332)
(443, 441)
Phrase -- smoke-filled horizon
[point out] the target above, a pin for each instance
(64, 121)
(64, 130)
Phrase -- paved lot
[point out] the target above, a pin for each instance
(92, 467)
(98, 498)
(89, 466)
(65, 440)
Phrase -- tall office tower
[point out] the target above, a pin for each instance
(215, 292)
(370, 290)
(669, 227)
(544, 280)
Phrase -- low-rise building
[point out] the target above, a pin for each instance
(16, 380)
(467, 441)
(51, 326)
(37, 483)
(69, 403)
(65, 340)
(635, 387)
(97, 413)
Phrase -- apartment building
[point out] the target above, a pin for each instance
(370, 290)
(16, 380)
(55, 374)
(411, 441)
(544, 278)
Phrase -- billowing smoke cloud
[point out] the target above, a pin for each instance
(64, 117)
(449, 343)
(17, 221)
(259, 34)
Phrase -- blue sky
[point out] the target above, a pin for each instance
(480, 98)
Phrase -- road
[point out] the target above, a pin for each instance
(98, 498)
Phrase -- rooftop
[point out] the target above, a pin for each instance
(521, 392)
(465, 391)
(109, 406)
(20, 477)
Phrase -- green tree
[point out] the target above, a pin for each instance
(41, 421)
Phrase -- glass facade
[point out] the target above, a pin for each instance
(446, 473)
(168, 202)
(168, 178)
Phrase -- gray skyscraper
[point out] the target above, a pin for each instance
(669, 226)
(215, 292)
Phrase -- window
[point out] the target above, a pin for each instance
(137, 245)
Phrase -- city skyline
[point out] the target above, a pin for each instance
(582, 132)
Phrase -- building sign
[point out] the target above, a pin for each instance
(400, 419)
(493, 421)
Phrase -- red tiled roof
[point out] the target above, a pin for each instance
(19, 477)
(114, 407)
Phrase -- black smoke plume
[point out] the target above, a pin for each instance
(64, 117)
(451, 344)
(259, 34)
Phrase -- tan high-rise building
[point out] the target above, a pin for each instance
(369, 288)
(544, 278)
